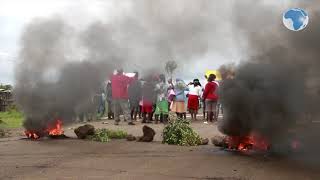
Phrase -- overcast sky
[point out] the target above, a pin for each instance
(15, 14)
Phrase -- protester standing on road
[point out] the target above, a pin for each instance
(193, 98)
(109, 100)
(135, 96)
(120, 84)
(162, 103)
(203, 102)
(148, 94)
(178, 104)
(170, 93)
(102, 104)
(210, 97)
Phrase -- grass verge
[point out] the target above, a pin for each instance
(11, 119)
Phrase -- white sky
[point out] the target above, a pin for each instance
(15, 14)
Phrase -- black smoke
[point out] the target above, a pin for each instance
(49, 85)
(63, 66)
(276, 88)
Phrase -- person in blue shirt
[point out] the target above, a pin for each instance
(178, 104)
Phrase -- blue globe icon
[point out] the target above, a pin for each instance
(295, 19)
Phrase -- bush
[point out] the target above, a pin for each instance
(118, 134)
(100, 135)
(12, 108)
(104, 135)
(180, 133)
(11, 119)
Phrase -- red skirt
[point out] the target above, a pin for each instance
(146, 106)
(193, 102)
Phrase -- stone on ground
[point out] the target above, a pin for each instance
(219, 141)
(83, 131)
(148, 134)
(204, 141)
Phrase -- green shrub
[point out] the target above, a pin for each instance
(179, 132)
(104, 135)
(100, 135)
(11, 119)
(117, 134)
(12, 108)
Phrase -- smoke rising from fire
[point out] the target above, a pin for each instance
(50, 84)
(63, 66)
(276, 90)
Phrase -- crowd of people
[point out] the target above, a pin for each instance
(153, 97)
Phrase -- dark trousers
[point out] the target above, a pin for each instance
(110, 112)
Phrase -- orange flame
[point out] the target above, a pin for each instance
(252, 141)
(57, 129)
(54, 130)
(31, 135)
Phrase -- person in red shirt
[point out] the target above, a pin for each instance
(120, 83)
(210, 97)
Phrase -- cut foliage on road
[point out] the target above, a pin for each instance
(104, 135)
(179, 132)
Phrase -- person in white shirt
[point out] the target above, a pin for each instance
(193, 98)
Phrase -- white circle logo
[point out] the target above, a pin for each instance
(295, 19)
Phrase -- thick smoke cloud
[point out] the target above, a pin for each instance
(158, 31)
(49, 84)
(62, 66)
(276, 89)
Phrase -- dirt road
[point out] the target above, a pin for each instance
(119, 159)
